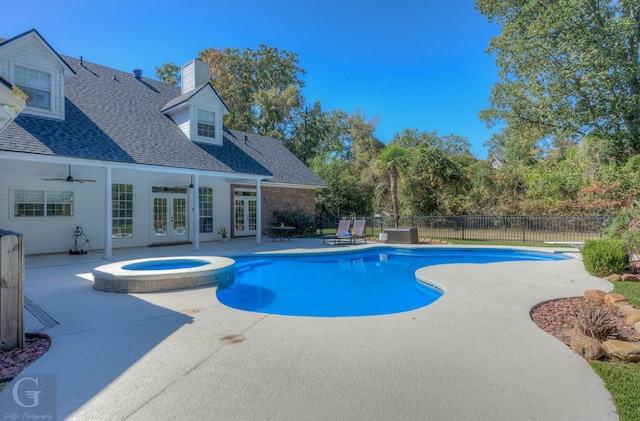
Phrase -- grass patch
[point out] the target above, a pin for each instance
(623, 379)
(631, 290)
(623, 382)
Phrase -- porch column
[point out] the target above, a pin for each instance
(108, 214)
(259, 213)
(196, 213)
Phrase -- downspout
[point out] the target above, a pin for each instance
(108, 218)
(196, 213)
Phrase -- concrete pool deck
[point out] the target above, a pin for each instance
(474, 354)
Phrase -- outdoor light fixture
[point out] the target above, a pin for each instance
(12, 102)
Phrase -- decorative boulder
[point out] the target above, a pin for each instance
(566, 334)
(627, 310)
(613, 278)
(627, 277)
(594, 295)
(637, 326)
(621, 350)
(616, 300)
(633, 318)
(587, 347)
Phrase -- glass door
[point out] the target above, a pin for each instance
(159, 217)
(170, 218)
(245, 213)
(179, 217)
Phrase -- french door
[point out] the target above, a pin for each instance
(245, 213)
(170, 218)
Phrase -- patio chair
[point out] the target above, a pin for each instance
(342, 233)
(359, 226)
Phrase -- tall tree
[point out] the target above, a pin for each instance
(567, 68)
(311, 126)
(393, 158)
(169, 73)
(434, 179)
(261, 88)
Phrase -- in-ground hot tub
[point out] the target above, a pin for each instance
(164, 273)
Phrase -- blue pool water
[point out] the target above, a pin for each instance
(166, 264)
(371, 282)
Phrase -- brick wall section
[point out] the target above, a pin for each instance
(279, 198)
(282, 198)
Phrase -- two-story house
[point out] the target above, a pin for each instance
(131, 160)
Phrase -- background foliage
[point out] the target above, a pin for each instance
(567, 106)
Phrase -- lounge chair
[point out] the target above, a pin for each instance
(358, 230)
(342, 233)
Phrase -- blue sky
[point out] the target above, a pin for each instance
(415, 64)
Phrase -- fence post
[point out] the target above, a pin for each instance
(524, 229)
(463, 222)
(11, 294)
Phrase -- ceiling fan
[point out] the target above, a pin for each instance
(69, 179)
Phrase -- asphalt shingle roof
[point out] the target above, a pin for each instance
(112, 116)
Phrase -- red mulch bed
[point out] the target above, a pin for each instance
(14, 361)
(557, 315)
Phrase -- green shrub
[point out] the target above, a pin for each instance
(303, 223)
(626, 227)
(604, 256)
(619, 224)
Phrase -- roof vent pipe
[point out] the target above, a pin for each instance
(137, 73)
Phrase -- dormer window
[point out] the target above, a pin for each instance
(206, 124)
(36, 84)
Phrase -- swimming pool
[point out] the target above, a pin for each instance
(168, 264)
(371, 282)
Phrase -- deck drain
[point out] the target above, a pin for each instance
(190, 311)
(232, 339)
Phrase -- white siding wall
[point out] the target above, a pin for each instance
(55, 234)
(29, 53)
(182, 120)
(221, 208)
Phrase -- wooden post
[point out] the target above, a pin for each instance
(11, 293)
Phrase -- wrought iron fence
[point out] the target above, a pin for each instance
(525, 229)
(533, 229)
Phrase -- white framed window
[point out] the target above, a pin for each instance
(36, 84)
(122, 210)
(206, 209)
(42, 203)
(206, 123)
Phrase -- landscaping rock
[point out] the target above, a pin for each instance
(587, 347)
(614, 278)
(616, 300)
(567, 333)
(637, 326)
(594, 295)
(633, 318)
(621, 350)
(627, 310)
(628, 277)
